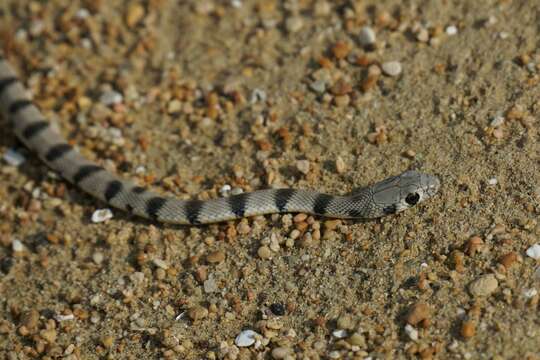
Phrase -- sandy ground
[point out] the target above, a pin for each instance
(265, 94)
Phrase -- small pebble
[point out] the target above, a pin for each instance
(210, 286)
(529, 293)
(264, 252)
(102, 215)
(162, 264)
(13, 157)
(497, 121)
(485, 285)
(135, 13)
(319, 86)
(342, 100)
(451, 30)
(303, 166)
(366, 36)
(17, 245)
(340, 165)
(281, 352)
(215, 257)
(111, 97)
(246, 338)
(197, 312)
(49, 335)
(339, 334)
(534, 251)
(508, 260)
(468, 329)
(98, 257)
(411, 332)
(422, 35)
(493, 181)
(391, 68)
(174, 106)
(294, 24)
(417, 313)
(107, 341)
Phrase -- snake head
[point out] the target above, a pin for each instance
(403, 191)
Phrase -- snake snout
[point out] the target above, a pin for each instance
(433, 183)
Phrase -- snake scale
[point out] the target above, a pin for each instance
(29, 125)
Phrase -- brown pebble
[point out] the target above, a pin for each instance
(134, 14)
(215, 257)
(473, 245)
(484, 285)
(341, 49)
(300, 217)
(340, 88)
(30, 320)
(468, 329)
(107, 341)
(201, 273)
(197, 313)
(417, 313)
(342, 100)
(508, 260)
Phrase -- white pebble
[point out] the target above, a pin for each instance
(225, 190)
(303, 166)
(210, 286)
(98, 257)
(236, 3)
(534, 251)
(61, 318)
(246, 338)
(497, 121)
(160, 263)
(367, 36)
(13, 157)
(451, 30)
(392, 68)
(111, 97)
(82, 13)
(17, 245)
(504, 35)
(493, 181)
(411, 332)
(529, 293)
(102, 215)
(340, 334)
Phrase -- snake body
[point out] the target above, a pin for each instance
(29, 125)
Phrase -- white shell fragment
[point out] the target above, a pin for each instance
(246, 338)
(13, 157)
(534, 251)
(102, 215)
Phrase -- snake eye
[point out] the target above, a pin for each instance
(412, 198)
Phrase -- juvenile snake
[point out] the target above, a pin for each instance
(29, 125)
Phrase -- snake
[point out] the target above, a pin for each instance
(386, 197)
